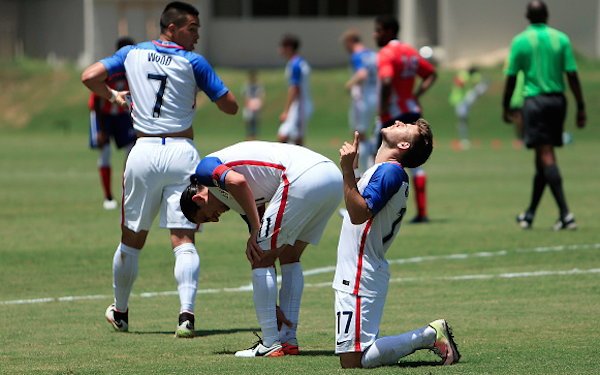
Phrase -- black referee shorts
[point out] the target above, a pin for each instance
(543, 120)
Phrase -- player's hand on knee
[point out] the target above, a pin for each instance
(253, 251)
(281, 319)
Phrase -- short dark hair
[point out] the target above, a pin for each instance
(537, 12)
(188, 206)
(388, 22)
(124, 41)
(420, 147)
(289, 40)
(175, 12)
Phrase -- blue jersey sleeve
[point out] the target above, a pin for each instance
(357, 61)
(206, 78)
(211, 172)
(384, 183)
(116, 63)
(296, 73)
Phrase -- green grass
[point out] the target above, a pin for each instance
(57, 241)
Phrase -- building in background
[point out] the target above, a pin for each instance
(245, 33)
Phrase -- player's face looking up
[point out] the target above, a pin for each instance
(186, 35)
(400, 134)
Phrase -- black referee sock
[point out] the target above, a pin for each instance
(555, 181)
(539, 184)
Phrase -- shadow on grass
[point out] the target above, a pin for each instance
(203, 333)
(418, 364)
(302, 353)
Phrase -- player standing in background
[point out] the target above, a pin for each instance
(302, 189)
(544, 54)
(109, 119)
(399, 64)
(164, 77)
(254, 97)
(376, 205)
(362, 87)
(467, 86)
(298, 104)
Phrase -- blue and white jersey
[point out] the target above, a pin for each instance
(365, 59)
(264, 165)
(361, 265)
(297, 72)
(164, 80)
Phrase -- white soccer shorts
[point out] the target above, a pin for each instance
(299, 211)
(357, 320)
(294, 126)
(157, 171)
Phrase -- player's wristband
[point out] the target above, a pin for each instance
(356, 173)
(580, 107)
(114, 96)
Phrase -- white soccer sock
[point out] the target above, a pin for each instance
(187, 272)
(125, 270)
(264, 284)
(290, 294)
(104, 156)
(388, 350)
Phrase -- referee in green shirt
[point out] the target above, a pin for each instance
(543, 54)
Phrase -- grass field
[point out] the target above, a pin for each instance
(520, 302)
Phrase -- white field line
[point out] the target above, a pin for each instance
(321, 270)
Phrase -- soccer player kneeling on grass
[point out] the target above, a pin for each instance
(302, 188)
(376, 205)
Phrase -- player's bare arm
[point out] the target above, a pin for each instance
(94, 78)
(356, 205)
(425, 84)
(236, 184)
(509, 88)
(581, 117)
(227, 103)
(386, 95)
(360, 76)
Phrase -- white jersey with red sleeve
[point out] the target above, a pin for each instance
(264, 165)
(164, 80)
(361, 265)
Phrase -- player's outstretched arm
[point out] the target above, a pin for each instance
(356, 205)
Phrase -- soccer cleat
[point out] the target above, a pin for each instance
(525, 219)
(419, 220)
(119, 320)
(567, 222)
(110, 204)
(290, 347)
(185, 329)
(259, 350)
(444, 343)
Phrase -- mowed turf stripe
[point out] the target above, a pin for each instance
(321, 270)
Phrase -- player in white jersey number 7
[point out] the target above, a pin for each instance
(164, 77)
(376, 205)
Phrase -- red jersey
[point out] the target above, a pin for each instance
(117, 82)
(403, 63)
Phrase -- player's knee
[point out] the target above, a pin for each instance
(351, 360)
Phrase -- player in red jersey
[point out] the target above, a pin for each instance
(399, 64)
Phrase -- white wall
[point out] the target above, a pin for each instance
(247, 43)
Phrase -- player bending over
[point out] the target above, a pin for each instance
(303, 190)
(376, 205)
